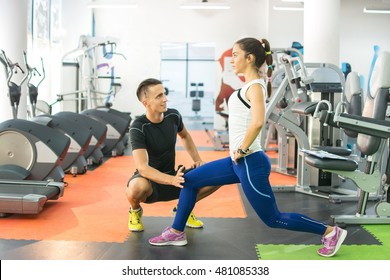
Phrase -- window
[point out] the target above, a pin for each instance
(187, 68)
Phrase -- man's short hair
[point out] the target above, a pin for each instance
(144, 85)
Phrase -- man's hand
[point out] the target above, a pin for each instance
(197, 164)
(178, 179)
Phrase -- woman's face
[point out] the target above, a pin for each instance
(239, 59)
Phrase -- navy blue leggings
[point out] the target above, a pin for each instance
(252, 172)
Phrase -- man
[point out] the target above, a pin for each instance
(153, 140)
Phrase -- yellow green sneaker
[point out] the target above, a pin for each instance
(135, 221)
(192, 222)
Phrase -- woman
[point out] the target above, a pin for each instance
(247, 164)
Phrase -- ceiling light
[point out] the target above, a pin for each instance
(283, 8)
(205, 5)
(105, 4)
(375, 11)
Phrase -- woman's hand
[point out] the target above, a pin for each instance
(237, 155)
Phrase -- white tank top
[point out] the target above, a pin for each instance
(240, 117)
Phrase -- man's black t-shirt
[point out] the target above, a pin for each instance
(159, 139)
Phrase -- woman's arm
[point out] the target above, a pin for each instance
(255, 94)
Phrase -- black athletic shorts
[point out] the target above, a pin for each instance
(160, 192)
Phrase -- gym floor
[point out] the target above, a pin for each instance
(220, 239)
(229, 237)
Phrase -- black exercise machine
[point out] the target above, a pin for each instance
(93, 153)
(74, 161)
(117, 123)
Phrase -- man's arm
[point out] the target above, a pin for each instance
(141, 163)
(190, 147)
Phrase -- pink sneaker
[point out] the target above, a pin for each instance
(332, 242)
(168, 237)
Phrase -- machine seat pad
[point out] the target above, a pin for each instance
(340, 151)
(307, 108)
(331, 164)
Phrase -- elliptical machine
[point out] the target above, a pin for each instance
(30, 157)
(117, 123)
(74, 161)
(14, 89)
(29, 151)
(33, 89)
(93, 153)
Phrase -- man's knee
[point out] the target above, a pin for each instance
(139, 188)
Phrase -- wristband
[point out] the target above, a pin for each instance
(243, 152)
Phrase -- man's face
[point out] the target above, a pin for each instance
(155, 99)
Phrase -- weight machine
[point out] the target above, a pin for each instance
(373, 128)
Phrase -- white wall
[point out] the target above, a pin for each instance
(142, 30)
(76, 21)
(284, 27)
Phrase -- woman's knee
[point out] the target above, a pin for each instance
(272, 221)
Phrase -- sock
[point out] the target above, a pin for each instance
(172, 231)
(333, 232)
